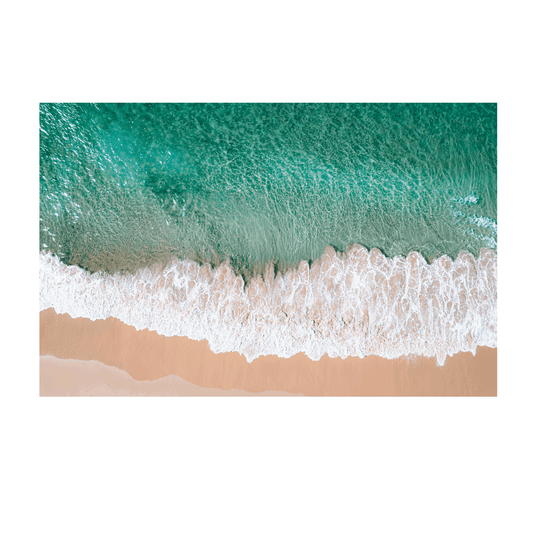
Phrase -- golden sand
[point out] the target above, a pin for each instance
(148, 356)
(69, 377)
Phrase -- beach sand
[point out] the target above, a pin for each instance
(69, 377)
(145, 358)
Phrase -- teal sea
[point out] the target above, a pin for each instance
(275, 228)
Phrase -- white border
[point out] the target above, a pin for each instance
(30, 403)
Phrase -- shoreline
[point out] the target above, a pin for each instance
(355, 303)
(147, 356)
(72, 377)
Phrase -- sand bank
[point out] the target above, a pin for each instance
(148, 356)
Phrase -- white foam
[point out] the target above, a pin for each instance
(485, 222)
(467, 200)
(353, 304)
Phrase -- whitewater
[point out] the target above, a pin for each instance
(356, 303)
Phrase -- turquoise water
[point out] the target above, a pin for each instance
(346, 229)
(124, 186)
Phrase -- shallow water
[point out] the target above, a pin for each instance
(355, 304)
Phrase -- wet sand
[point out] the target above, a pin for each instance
(69, 377)
(147, 356)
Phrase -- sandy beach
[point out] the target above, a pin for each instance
(193, 369)
(69, 377)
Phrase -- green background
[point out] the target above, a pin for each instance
(263, 474)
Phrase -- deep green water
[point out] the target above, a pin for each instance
(125, 185)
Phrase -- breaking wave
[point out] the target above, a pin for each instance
(356, 303)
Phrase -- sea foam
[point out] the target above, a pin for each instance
(356, 303)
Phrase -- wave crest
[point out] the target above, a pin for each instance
(356, 303)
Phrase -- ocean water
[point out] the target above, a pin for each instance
(346, 229)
